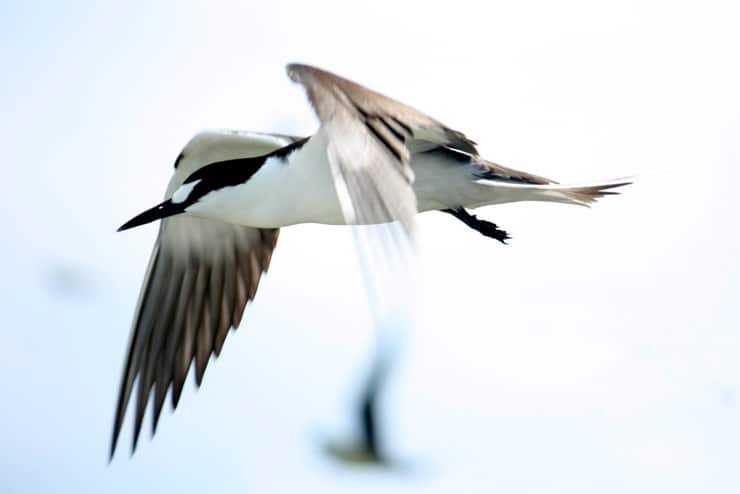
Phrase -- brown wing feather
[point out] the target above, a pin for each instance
(327, 90)
(202, 273)
(368, 137)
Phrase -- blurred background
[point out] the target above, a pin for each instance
(597, 352)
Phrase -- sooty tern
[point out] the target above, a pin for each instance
(373, 160)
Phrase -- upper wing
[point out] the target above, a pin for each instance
(200, 276)
(368, 138)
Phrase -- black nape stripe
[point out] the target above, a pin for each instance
(179, 159)
(223, 174)
(286, 151)
(229, 173)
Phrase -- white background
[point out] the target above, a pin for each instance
(599, 352)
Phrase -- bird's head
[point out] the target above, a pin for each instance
(201, 193)
(199, 189)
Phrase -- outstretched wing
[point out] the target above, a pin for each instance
(201, 274)
(368, 137)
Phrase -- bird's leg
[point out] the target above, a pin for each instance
(481, 226)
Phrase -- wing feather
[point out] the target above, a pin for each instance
(368, 138)
(201, 275)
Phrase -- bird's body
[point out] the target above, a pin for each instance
(292, 182)
(373, 160)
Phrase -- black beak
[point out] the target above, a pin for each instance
(167, 208)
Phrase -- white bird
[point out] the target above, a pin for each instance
(373, 160)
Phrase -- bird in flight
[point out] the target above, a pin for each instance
(373, 160)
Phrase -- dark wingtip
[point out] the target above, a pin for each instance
(177, 388)
(163, 210)
(200, 373)
(114, 443)
(135, 442)
(118, 421)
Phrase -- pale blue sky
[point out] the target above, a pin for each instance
(598, 352)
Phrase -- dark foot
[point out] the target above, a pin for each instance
(481, 226)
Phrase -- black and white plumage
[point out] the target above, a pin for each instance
(373, 160)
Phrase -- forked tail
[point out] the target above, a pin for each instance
(583, 195)
(503, 184)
